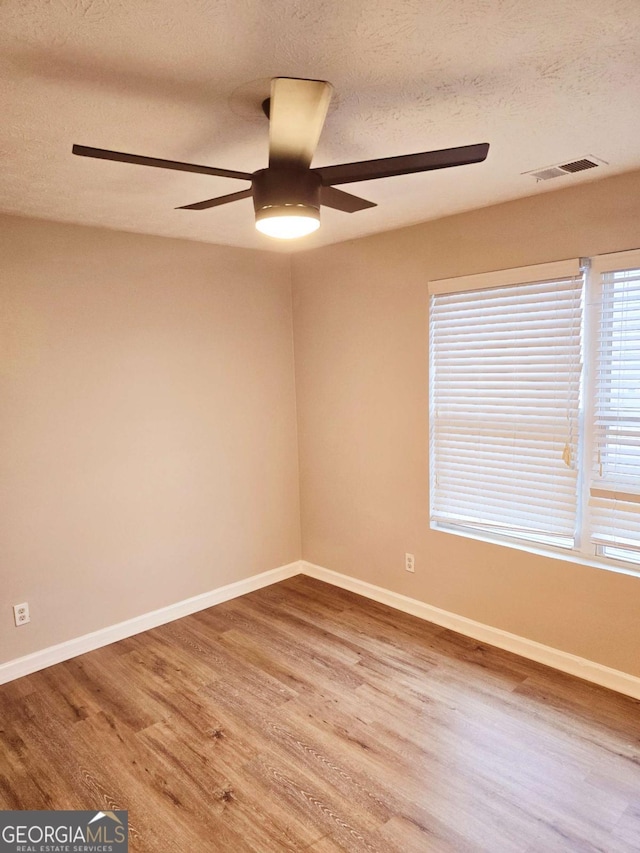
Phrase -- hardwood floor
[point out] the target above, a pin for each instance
(303, 717)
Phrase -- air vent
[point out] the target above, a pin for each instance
(578, 165)
(547, 174)
(566, 168)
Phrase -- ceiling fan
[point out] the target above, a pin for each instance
(287, 195)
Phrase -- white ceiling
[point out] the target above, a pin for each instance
(544, 82)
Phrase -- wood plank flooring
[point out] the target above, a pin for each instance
(303, 717)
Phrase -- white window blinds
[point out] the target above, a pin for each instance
(614, 504)
(505, 390)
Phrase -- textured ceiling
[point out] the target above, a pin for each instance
(543, 81)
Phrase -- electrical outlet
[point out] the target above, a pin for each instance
(21, 614)
(410, 562)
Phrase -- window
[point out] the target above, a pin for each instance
(614, 495)
(527, 441)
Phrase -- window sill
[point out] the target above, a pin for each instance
(565, 554)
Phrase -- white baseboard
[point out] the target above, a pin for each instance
(96, 639)
(589, 670)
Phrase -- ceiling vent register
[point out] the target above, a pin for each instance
(579, 165)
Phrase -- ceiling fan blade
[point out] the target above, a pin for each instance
(297, 112)
(338, 200)
(368, 170)
(216, 202)
(104, 154)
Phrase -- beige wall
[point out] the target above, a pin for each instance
(360, 321)
(148, 439)
(148, 430)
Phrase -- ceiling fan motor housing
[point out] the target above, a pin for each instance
(279, 191)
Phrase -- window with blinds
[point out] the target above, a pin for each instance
(505, 401)
(527, 441)
(614, 494)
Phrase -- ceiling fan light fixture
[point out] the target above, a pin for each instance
(288, 194)
(287, 221)
(286, 201)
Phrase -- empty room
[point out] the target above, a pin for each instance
(320, 431)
